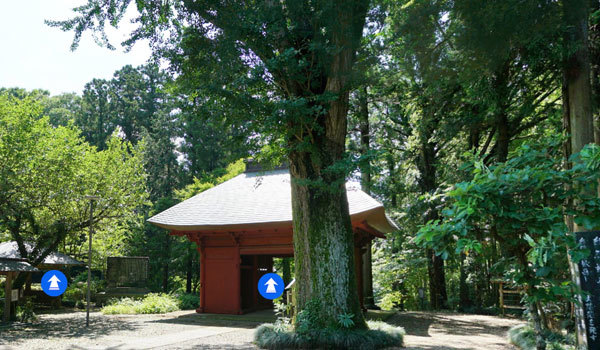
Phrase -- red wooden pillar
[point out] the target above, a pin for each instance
(359, 275)
(202, 259)
(238, 279)
(254, 281)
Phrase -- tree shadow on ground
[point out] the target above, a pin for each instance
(414, 323)
(419, 324)
(214, 320)
(69, 326)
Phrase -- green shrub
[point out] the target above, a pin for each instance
(25, 311)
(188, 301)
(391, 300)
(151, 304)
(523, 336)
(157, 304)
(76, 293)
(379, 335)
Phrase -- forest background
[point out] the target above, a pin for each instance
(457, 107)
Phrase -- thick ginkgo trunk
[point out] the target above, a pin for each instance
(323, 238)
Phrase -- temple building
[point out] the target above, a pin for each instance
(240, 225)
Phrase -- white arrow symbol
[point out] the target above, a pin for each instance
(54, 283)
(271, 286)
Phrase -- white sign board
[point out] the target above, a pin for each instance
(14, 295)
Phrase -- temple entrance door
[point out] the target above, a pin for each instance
(252, 267)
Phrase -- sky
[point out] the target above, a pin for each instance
(36, 56)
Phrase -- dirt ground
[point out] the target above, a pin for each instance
(188, 330)
(449, 331)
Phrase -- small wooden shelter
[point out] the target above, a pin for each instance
(241, 224)
(10, 267)
(53, 261)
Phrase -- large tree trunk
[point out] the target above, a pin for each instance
(427, 181)
(578, 106)
(365, 172)
(464, 301)
(595, 70)
(323, 237)
(437, 281)
(500, 85)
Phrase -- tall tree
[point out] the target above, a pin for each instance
(304, 52)
(577, 101)
(95, 119)
(47, 171)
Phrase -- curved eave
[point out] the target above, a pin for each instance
(375, 218)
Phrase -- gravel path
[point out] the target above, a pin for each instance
(188, 330)
(175, 330)
(450, 331)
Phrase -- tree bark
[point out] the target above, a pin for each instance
(500, 85)
(578, 104)
(323, 236)
(391, 164)
(540, 343)
(426, 163)
(323, 241)
(595, 71)
(464, 301)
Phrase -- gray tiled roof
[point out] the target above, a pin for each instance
(11, 250)
(257, 198)
(15, 265)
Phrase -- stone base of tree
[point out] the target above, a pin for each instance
(379, 335)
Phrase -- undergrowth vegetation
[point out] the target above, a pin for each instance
(188, 301)
(152, 303)
(379, 335)
(523, 336)
(310, 331)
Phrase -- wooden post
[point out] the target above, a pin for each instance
(7, 296)
(501, 291)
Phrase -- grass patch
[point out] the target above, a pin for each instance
(151, 304)
(379, 315)
(523, 336)
(379, 335)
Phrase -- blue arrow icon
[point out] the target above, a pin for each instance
(54, 283)
(270, 286)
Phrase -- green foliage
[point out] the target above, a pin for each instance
(345, 320)
(378, 335)
(188, 301)
(309, 319)
(152, 303)
(210, 180)
(523, 336)
(391, 300)
(25, 311)
(76, 292)
(521, 204)
(46, 172)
